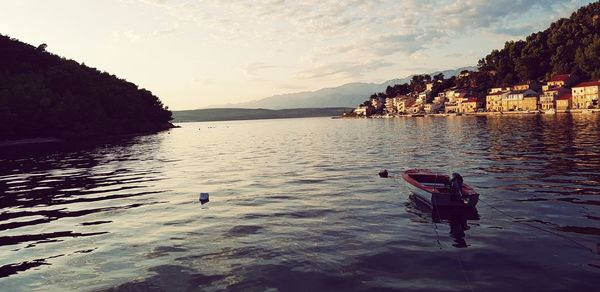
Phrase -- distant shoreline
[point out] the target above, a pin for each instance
(22, 142)
(239, 114)
(572, 111)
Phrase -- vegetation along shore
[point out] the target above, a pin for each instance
(44, 95)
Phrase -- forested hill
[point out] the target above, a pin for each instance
(42, 94)
(569, 45)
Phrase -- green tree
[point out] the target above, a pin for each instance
(588, 59)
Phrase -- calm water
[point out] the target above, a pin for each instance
(297, 205)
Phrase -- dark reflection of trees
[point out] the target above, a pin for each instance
(40, 183)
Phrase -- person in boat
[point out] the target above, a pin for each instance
(456, 185)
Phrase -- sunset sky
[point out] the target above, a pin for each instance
(194, 53)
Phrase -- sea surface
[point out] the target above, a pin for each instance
(297, 205)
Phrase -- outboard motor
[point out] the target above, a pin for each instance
(456, 185)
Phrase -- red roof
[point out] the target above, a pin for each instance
(562, 77)
(588, 83)
(409, 102)
(565, 96)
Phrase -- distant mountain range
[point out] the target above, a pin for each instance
(347, 95)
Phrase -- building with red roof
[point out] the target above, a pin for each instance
(564, 101)
(471, 104)
(558, 81)
(404, 103)
(548, 98)
(586, 95)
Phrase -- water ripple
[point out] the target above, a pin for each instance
(297, 205)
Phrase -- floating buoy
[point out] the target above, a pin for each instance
(203, 198)
(383, 173)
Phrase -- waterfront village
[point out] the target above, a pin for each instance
(561, 93)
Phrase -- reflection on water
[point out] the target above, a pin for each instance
(298, 205)
(456, 218)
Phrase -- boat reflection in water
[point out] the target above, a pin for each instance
(456, 217)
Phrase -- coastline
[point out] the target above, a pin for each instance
(54, 140)
(510, 113)
(31, 141)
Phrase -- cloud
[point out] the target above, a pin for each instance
(454, 55)
(254, 69)
(343, 69)
(336, 31)
(127, 36)
(514, 30)
(406, 26)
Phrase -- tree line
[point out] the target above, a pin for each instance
(42, 94)
(569, 46)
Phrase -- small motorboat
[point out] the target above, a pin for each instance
(436, 189)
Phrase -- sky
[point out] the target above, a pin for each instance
(199, 53)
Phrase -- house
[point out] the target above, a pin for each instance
(404, 103)
(531, 102)
(415, 108)
(432, 108)
(493, 101)
(378, 102)
(452, 94)
(455, 99)
(524, 86)
(563, 80)
(361, 110)
(520, 101)
(390, 105)
(586, 95)
(440, 98)
(428, 86)
(564, 102)
(422, 97)
(471, 104)
(451, 107)
(499, 89)
(463, 74)
(548, 98)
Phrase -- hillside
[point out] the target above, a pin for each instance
(347, 95)
(42, 94)
(226, 114)
(569, 45)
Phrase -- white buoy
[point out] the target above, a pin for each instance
(203, 198)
